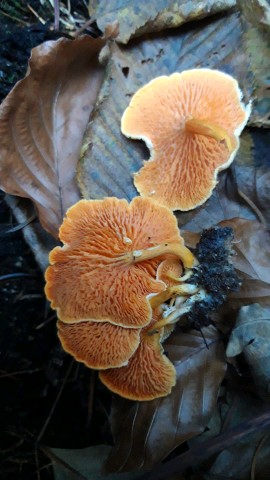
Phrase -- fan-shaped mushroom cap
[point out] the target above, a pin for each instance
(191, 122)
(94, 275)
(169, 271)
(148, 375)
(99, 345)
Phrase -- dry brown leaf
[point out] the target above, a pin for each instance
(146, 432)
(251, 260)
(256, 23)
(136, 18)
(251, 336)
(42, 122)
(255, 184)
(224, 203)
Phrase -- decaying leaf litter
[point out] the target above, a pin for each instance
(103, 170)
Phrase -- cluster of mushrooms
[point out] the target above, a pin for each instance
(120, 281)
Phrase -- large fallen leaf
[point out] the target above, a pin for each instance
(251, 336)
(136, 18)
(111, 159)
(42, 122)
(146, 432)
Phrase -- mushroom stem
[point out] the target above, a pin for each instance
(171, 319)
(185, 255)
(203, 127)
(187, 289)
(179, 311)
(184, 278)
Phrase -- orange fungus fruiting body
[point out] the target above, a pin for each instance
(148, 375)
(99, 345)
(102, 282)
(191, 122)
(93, 276)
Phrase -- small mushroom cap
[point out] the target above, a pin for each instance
(168, 270)
(182, 170)
(148, 375)
(99, 345)
(92, 277)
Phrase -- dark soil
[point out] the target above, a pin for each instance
(46, 398)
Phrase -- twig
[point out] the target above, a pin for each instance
(84, 27)
(56, 15)
(48, 419)
(204, 450)
(37, 464)
(36, 14)
(20, 226)
(44, 428)
(28, 296)
(14, 18)
(250, 203)
(20, 372)
(15, 276)
(253, 207)
(45, 322)
(91, 397)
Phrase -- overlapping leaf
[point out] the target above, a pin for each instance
(242, 191)
(146, 432)
(251, 335)
(225, 203)
(255, 184)
(42, 122)
(248, 458)
(256, 38)
(251, 260)
(135, 17)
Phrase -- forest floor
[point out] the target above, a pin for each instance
(46, 399)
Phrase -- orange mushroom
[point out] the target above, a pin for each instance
(106, 269)
(99, 345)
(191, 122)
(148, 375)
